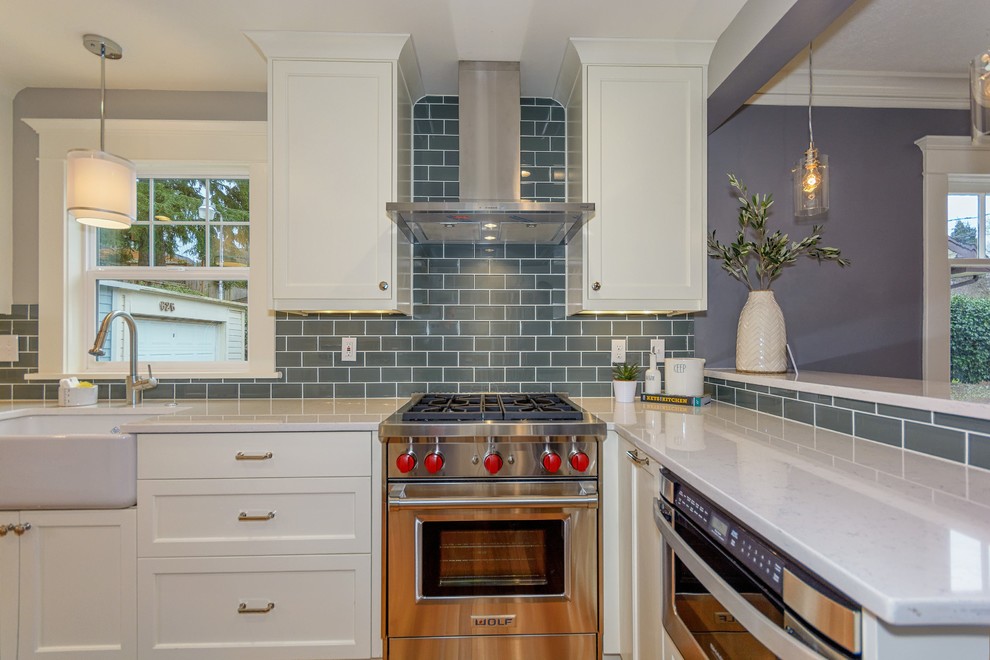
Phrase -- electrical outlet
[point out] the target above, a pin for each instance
(8, 348)
(657, 348)
(618, 350)
(348, 349)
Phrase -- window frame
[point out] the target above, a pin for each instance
(948, 162)
(159, 149)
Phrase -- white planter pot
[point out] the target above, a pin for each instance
(624, 390)
(761, 338)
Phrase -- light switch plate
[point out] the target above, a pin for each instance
(8, 348)
(657, 347)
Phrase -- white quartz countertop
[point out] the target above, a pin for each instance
(233, 415)
(938, 396)
(904, 534)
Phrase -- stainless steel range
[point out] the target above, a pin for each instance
(493, 533)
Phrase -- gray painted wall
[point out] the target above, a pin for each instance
(865, 319)
(85, 103)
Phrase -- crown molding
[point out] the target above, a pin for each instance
(874, 89)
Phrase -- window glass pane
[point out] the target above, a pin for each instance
(115, 247)
(962, 226)
(143, 205)
(230, 198)
(178, 321)
(180, 245)
(986, 225)
(229, 245)
(180, 200)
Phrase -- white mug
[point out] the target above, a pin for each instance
(684, 376)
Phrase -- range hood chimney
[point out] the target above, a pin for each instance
(490, 209)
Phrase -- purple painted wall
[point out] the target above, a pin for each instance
(864, 319)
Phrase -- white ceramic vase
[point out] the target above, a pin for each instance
(761, 338)
(624, 390)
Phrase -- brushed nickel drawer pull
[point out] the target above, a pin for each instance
(20, 529)
(244, 609)
(635, 457)
(597, 286)
(241, 456)
(244, 517)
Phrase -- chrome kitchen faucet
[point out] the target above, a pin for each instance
(135, 385)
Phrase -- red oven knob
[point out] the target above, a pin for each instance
(580, 461)
(405, 462)
(493, 462)
(433, 462)
(551, 461)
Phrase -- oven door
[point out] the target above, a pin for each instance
(496, 558)
(713, 610)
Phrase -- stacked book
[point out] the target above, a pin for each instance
(676, 399)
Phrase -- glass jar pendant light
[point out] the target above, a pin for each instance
(101, 188)
(979, 97)
(811, 173)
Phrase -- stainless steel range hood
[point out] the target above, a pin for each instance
(490, 209)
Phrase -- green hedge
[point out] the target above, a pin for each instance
(970, 343)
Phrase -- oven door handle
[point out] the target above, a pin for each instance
(775, 638)
(396, 501)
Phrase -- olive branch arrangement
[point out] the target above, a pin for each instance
(771, 252)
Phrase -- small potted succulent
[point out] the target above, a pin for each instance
(624, 377)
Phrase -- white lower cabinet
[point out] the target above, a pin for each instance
(258, 546)
(641, 580)
(265, 608)
(68, 585)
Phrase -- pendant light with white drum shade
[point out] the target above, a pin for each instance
(101, 188)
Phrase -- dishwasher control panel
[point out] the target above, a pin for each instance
(745, 546)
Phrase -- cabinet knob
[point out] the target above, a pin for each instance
(383, 285)
(20, 529)
(4, 529)
(596, 286)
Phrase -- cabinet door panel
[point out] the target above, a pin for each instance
(78, 593)
(332, 152)
(8, 588)
(646, 176)
(287, 516)
(246, 455)
(647, 584)
(320, 607)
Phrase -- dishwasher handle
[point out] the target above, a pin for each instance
(772, 636)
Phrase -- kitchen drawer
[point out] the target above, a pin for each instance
(320, 607)
(206, 517)
(252, 455)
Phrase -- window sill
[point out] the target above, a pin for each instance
(209, 375)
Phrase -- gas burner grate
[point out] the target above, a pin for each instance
(483, 407)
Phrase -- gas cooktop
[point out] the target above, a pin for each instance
(478, 407)
(451, 415)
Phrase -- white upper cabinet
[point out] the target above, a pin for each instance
(637, 143)
(340, 125)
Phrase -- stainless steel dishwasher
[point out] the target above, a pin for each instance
(729, 594)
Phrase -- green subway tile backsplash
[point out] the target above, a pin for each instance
(951, 437)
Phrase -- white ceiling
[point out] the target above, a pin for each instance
(199, 45)
(890, 53)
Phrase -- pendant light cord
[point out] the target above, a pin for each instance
(811, 92)
(103, 88)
